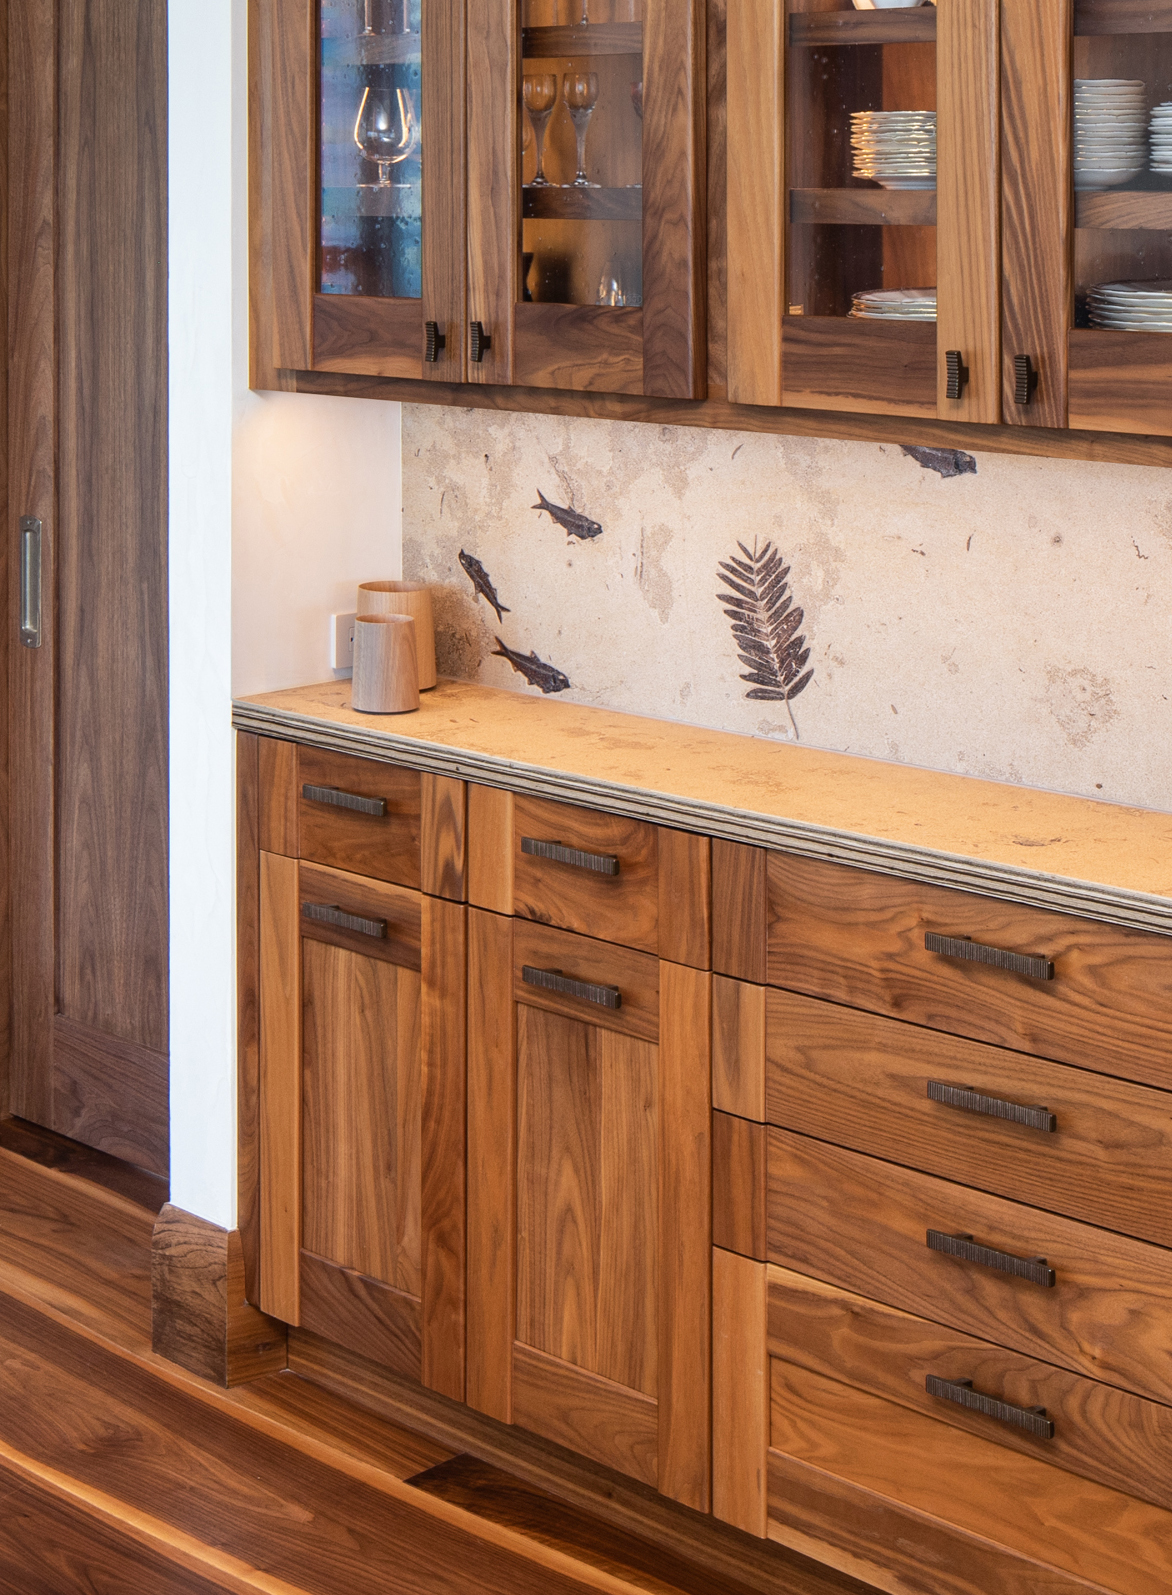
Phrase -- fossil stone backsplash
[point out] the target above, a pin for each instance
(990, 615)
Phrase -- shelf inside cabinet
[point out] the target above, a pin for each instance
(582, 204)
(1099, 17)
(862, 207)
(372, 200)
(916, 25)
(1125, 210)
(377, 49)
(591, 38)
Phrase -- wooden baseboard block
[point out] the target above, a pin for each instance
(199, 1317)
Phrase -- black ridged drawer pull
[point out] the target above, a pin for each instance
(435, 342)
(479, 342)
(600, 863)
(331, 914)
(345, 800)
(969, 1100)
(1036, 1269)
(1025, 379)
(585, 990)
(975, 952)
(958, 373)
(1032, 1419)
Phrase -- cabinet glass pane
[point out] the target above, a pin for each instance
(861, 136)
(371, 220)
(582, 151)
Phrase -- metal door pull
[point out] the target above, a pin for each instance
(331, 914)
(975, 952)
(1032, 1419)
(599, 863)
(345, 800)
(969, 1100)
(30, 581)
(585, 990)
(1036, 1269)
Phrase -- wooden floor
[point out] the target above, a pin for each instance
(121, 1474)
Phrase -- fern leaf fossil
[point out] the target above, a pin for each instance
(765, 624)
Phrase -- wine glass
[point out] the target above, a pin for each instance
(580, 92)
(386, 131)
(637, 98)
(585, 19)
(540, 92)
(610, 287)
(368, 18)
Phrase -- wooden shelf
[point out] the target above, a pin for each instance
(370, 200)
(381, 49)
(582, 204)
(913, 26)
(596, 38)
(1099, 17)
(1125, 210)
(864, 207)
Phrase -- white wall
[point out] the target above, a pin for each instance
(278, 503)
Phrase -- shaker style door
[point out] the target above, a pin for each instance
(363, 185)
(585, 195)
(862, 207)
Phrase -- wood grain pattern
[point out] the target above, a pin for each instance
(443, 837)
(248, 810)
(490, 848)
(444, 1149)
(588, 1198)
(833, 363)
(863, 207)
(617, 908)
(862, 1082)
(756, 200)
(1120, 380)
(739, 910)
(494, 182)
(291, 140)
(111, 1094)
(1036, 283)
(826, 26)
(52, 1151)
(5, 583)
(606, 1422)
(1099, 17)
(968, 221)
(716, 142)
(550, 43)
(685, 1236)
(278, 795)
(858, 939)
(375, 337)
(386, 847)
(593, 349)
(738, 1048)
(492, 1165)
(402, 911)
(1127, 210)
(1037, 1511)
(740, 1392)
(367, 1315)
(738, 1186)
(444, 157)
(685, 898)
(861, 1224)
(280, 1087)
(361, 1114)
(582, 958)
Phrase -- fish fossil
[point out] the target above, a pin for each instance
(535, 670)
(482, 582)
(576, 525)
(765, 625)
(948, 462)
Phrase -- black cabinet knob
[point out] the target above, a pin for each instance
(480, 342)
(435, 342)
(958, 373)
(1025, 379)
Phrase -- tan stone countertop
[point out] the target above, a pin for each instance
(1066, 853)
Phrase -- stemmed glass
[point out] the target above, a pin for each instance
(585, 18)
(384, 136)
(540, 92)
(368, 18)
(580, 92)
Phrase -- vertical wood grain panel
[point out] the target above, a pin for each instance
(967, 211)
(740, 1392)
(738, 1186)
(8, 519)
(628, 1272)
(443, 837)
(490, 848)
(739, 908)
(278, 795)
(674, 40)
(685, 1229)
(261, 338)
(685, 898)
(444, 195)
(292, 192)
(492, 1164)
(494, 197)
(280, 1088)
(248, 1008)
(1035, 203)
(738, 1048)
(444, 944)
(716, 141)
(756, 199)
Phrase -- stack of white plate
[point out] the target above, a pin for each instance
(1131, 306)
(895, 304)
(1160, 128)
(1110, 131)
(896, 149)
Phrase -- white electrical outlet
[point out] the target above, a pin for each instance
(342, 641)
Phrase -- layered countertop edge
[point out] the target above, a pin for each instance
(320, 717)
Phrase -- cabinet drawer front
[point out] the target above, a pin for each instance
(339, 818)
(382, 922)
(1098, 1431)
(596, 969)
(863, 1081)
(859, 938)
(603, 877)
(862, 1224)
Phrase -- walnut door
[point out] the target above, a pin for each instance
(588, 1122)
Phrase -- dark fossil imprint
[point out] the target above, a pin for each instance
(539, 674)
(765, 625)
(575, 525)
(948, 462)
(482, 582)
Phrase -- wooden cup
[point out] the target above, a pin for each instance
(386, 672)
(405, 598)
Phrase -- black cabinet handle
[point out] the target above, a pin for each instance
(958, 373)
(599, 863)
(969, 1100)
(1036, 1269)
(1025, 379)
(584, 990)
(331, 914)
(435, 342)
(479, 342)
(1032, 1419)
(345, 800)
(975, 952)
